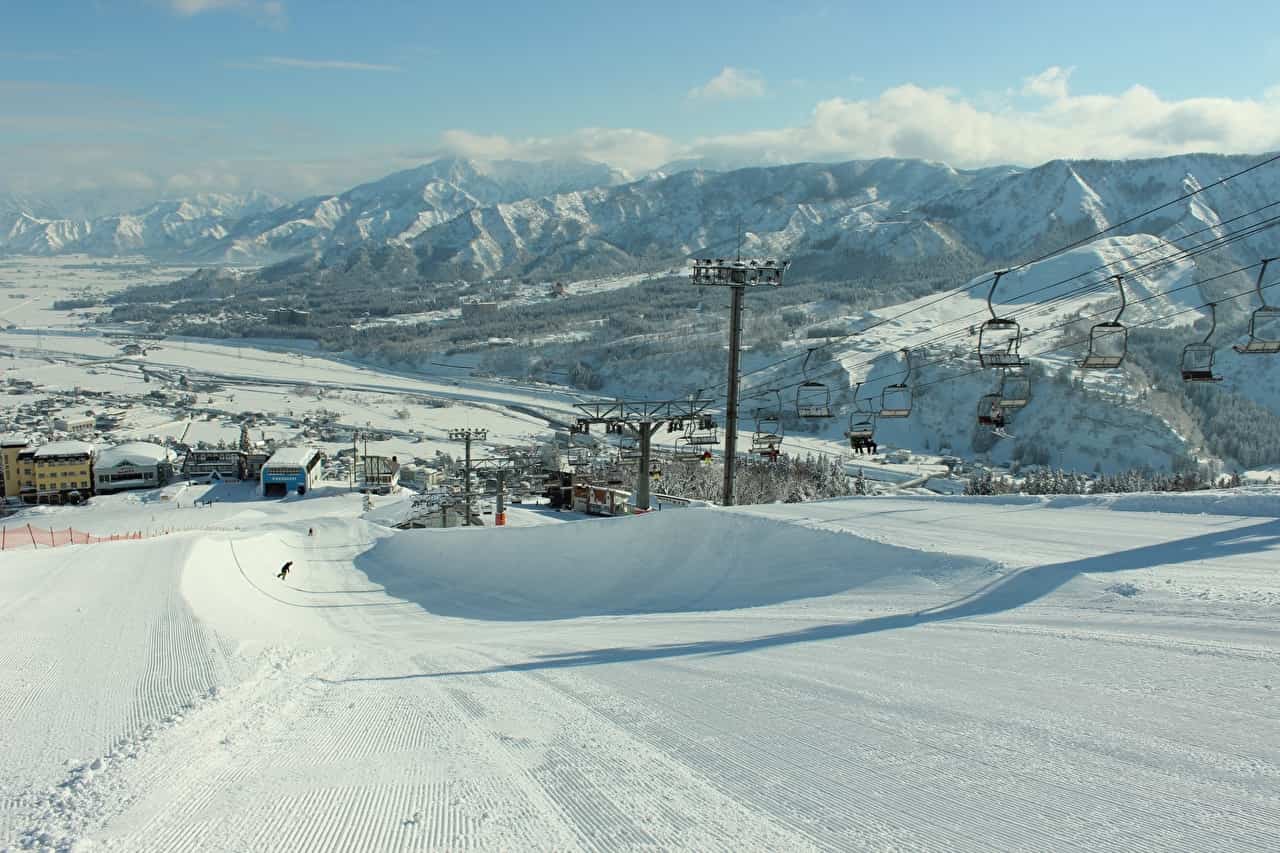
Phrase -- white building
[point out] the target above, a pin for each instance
(74, 424)
(134, 465)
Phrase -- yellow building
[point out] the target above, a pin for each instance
(10, 447)
(56, 473)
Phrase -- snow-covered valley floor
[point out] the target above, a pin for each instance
(907, 673)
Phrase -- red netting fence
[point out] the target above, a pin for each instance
(30, 536)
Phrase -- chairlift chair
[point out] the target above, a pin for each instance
(1109, 340)
(895, 399)
(1015, 388)
(701, 433)
(990, 413)
(999, 337)
(686, 451)
(862, 425)
(1264, 324)
(629, 448)
(1197, 358)
(767, 438)
(813, 398)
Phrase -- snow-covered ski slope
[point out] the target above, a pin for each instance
(909, 673)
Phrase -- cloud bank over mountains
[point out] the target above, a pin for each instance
(1034, 120)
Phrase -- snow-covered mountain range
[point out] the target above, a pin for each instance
(475, 220)
(164, 229)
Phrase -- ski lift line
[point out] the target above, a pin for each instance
(1150, 266)
(1054, 253)
(1041, 307)
(1079, 341)
(1098, 285)
(1047, 329)
(1104, 313)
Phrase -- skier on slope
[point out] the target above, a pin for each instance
(284, 570)
(311, 531)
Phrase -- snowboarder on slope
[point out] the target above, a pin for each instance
(284, 570)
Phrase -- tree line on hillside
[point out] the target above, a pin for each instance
(1059, 482)
(757, 480)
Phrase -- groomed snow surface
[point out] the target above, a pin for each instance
(909, 673)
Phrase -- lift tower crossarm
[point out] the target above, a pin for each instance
(640, 418)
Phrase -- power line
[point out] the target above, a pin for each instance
(1085, 340)
(1041, 307)
(1080, 242)
(1141, 324)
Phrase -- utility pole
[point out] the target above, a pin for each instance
(355, 458)
(639, 419)
(737, 275)
(467, 435)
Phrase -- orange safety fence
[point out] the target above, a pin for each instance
(29, 536)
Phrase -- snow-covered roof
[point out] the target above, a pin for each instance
(13, 439)
(292, 456)
(64, 448)
(135, 452)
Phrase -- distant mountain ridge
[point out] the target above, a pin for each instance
(474, 219)
(166, 229)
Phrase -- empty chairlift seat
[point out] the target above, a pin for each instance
(1197, 358)
(1108, 341)
(1264, 325)
(896, 399)
(1015, 388)
(999, 337)
(813, 398)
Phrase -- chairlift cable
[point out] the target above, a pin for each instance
(1223, 242)
(1056, 327)
(1147, 267)
(1054, 253)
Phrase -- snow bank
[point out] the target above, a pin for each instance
(1247, 502)
(692, 560)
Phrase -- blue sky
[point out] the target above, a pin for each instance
(299, 97)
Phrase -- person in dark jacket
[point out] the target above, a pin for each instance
(284, 570)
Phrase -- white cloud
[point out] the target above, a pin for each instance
(632, 150)
(268, 11)
(38, 118)
(326, 64)
(730, 83)
(911, 121)
(1049, 83)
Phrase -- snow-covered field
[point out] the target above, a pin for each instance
(906, 673)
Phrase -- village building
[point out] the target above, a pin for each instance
(10, 447)
(291, 470)
(57, 473)
(134, 465)
(208, 463)
(75, 424)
